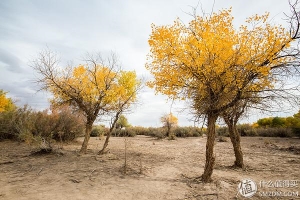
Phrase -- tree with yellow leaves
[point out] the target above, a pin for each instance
(5, 102)
(169, 121)
(98, 87)
(215, 66)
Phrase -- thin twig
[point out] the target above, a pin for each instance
(27, 171)
(39, 172)
(7, 162)
(90, 176)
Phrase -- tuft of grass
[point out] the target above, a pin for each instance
(222, 139)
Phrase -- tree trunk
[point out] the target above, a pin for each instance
(210, 158)
(105, 143)
(88, 130)
(113, 125)
(236, 142)
(168, 130)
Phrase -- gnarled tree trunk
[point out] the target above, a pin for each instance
(236, 142)
(210, 157)
(105, 143)
(88, 130)
(112, 127)
(231, 121)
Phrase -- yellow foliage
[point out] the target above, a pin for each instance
(5, 103)
(169, 120)
(94, 87)
(211, 61)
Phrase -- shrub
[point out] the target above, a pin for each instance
(187, 131)
(181, 132)
(172, 137)
(274, 132)
(222, 131)
(35, 127)
(222, 139)
(127, 132)
(45, 126)
(140, 130)
(296, 131)
(16, 123)
(61, 125)
(159, 133)
(131, 131)
(246, 130)
(95, 132)
(70, 125)
(99, 130)
(196, 132)
(6, 125)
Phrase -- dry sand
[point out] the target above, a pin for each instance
(156, 169)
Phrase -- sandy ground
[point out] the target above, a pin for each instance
(156, 169)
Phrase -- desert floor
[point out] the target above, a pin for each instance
(155, 169)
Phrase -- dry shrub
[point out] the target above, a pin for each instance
(274, 132)
(159, 133)
(246, 130)
(16, 123)
(40, 127)
(187, 131)
(222, 131)
(140, 130)
(127, 132)
(172, 137)
(222, 139)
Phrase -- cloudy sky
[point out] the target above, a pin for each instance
(74, 27)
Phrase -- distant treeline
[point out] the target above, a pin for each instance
(63, 124)
(160, 132)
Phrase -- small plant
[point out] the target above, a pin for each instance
(222, 139)
(267, 142)
(172, 137)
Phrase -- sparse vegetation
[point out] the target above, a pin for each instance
(40, 127)
(220, 71)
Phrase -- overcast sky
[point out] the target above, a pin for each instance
(74, 27)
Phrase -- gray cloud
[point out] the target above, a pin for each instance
(74, 27)
(11, 62)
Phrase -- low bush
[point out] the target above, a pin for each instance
(62, 125)
(172, 137)
(16, 123)
(246, 130)
(159, 133)
(222, 131)
(296, 131)
(181, 132)
(274, 132)
(140, 130)
(187, 131)
(222, 139)
(127, 132)
(98, 131)
(30, 126)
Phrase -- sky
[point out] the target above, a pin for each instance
(72, 28)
